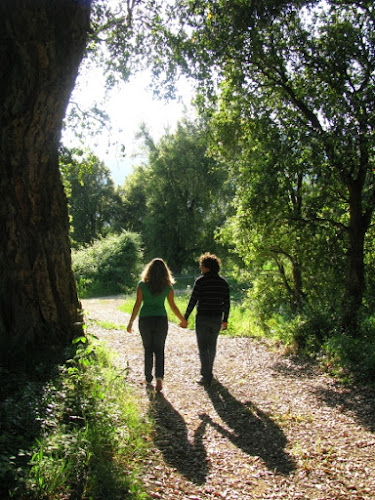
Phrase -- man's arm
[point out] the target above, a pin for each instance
(226, 307)
(175, 309)
(193, 300)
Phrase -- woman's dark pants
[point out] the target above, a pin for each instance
(154, 331)
(207, 329)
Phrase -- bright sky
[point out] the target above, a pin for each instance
(128, 107)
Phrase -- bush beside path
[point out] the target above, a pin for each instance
(270, 427)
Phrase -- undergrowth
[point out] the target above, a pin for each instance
(76, 435)
(346, 357)
(110, 265)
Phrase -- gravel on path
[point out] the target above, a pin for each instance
(270, 427)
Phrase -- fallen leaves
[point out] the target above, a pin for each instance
(275, 428)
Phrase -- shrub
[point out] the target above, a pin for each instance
(109, 265)
(75, 434)
(345, 354)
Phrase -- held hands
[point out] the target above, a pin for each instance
(129, 328)
(224, 325)
(183, 323)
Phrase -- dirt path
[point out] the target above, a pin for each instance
(269, 428)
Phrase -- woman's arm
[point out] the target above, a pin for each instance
(137, 305)
(176, 310)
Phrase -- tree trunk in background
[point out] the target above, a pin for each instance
(355, 272)
(41, 46)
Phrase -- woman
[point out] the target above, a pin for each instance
(155, 287)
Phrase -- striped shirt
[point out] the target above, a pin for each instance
(211, 294)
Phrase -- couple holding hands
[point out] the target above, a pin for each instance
(211, 296)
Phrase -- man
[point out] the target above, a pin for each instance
(211, 295)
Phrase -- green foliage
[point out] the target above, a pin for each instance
(240, 322)
(347, 357)
(95, 206)
(78, 435)
(280, 227)
(127, 305)
(369, 297)
(316, 335)
(183, 196)
(108, 325)
(133, 199)
(286, 90)
(109, 265)
(293, 120)
(302, 335)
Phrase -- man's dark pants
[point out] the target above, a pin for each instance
(207, 329)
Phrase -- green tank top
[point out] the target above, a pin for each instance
(153, 305)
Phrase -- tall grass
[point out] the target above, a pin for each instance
(87, 439)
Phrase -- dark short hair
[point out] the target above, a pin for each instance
(211, 261)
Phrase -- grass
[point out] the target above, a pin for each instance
(127, 305)
(108, 325)
(76, 435)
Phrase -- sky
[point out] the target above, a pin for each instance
(128, 107)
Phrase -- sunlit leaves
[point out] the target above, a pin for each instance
(95, 206)
(182, 188)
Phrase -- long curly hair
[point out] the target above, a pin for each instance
(157, 276)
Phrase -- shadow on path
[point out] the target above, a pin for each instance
(295, 367)
(171, 437)
(358, 402)
(251, 430)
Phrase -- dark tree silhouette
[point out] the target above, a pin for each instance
(41, 46)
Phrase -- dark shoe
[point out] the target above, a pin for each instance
(204, 381)
(159, 385)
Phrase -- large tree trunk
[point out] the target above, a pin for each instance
(41, 46)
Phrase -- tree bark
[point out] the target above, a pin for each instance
(355, 271)
(41, 46)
